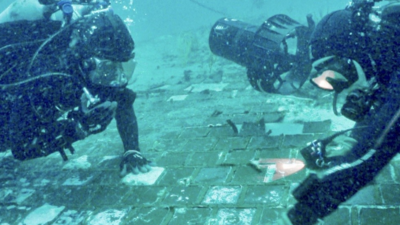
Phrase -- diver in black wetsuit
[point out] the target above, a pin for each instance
(61, 81)
(355, 49)
(348, 44)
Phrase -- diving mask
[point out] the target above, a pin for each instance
(335, 73)
(111, 73)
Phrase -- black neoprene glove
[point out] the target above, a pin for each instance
(134, 162)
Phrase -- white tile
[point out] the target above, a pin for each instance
(78, 163)
(109, 217)
(222, 195)
(44, 214)
(148, 178)
(177, 98)
(203, 87)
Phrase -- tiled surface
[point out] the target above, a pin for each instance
(206, 179)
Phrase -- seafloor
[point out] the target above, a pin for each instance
(186, 95)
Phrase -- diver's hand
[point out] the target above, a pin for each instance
(134, 162)
(340, 145)
(97, 118)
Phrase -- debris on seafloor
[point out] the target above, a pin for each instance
(276, 169)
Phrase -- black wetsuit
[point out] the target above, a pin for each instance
(41, 88)
(379, 142)
(318, 198)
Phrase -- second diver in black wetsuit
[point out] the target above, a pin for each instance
(347, 45)
(61, 81)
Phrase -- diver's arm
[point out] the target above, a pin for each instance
(132, 160)
(126, 119)
(318, 197)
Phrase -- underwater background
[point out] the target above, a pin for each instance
(204, 172)
(149, 19)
